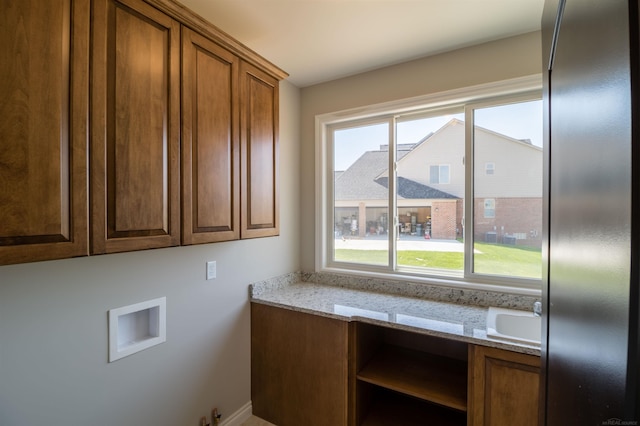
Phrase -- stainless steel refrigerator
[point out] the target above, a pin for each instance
(592, 193)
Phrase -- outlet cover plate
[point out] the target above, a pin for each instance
(211, 270)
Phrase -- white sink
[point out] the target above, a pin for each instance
(514, 326)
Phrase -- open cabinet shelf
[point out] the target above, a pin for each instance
(425, 376)
(408, 379)
(391, 408)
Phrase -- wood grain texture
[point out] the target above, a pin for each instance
(428, 377)
(210, 142)
(298, 367)
(504, 386)
(135, 127)
(259, 153)
(43, 132)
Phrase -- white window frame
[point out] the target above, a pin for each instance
(515, 90)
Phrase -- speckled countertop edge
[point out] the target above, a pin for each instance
(456, 317)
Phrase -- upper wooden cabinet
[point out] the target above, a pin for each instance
(135, 129)
(95, 156)
(44, 82)
(210, 142)
(259, 148)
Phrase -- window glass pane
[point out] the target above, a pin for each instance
(444, 174)
(489, 208)
(361, 195)
(430, 199)
(508, 190)
(435, 174)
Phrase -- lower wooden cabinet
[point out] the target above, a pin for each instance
(312, 370)
(298, 367)
(505, 388)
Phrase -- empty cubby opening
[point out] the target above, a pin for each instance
(138, 326)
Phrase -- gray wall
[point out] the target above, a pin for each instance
(53, 323)
(489, 62)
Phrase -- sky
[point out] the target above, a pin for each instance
(519, 121)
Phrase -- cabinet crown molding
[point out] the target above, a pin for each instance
(197, 23)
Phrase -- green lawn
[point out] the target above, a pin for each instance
(493, 259)
(509, 260)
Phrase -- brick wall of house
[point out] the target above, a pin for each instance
(512, 216)
(443, 220)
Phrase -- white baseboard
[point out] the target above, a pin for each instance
(239, 417)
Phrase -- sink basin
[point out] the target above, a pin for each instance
(515, 326)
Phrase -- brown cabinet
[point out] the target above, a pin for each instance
(299, 372)
(210, 141)
(91, 155)
(259, 153)
(229, 145)
(135, 138)
(308, 369)
(505, 388)
(44, 81)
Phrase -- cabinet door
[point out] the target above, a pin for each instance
(43, 131)
(210, 142)
(259, 148)
(135, 127)
(504, 388)
(298, 367)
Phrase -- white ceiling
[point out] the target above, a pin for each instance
(321, 40)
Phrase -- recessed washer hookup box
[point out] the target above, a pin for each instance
(137, 327)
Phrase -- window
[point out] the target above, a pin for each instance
(489, 208)
(439, 174)
(489, 168)
(412, 190)
(510, 133)
(360, 199)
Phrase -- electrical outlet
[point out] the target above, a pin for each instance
(211, 270)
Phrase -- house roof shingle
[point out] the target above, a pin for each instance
(358, 181)
(410, 189)
(362, 180)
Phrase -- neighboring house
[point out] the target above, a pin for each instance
(431, 182)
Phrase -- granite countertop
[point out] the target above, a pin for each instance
(462, 322)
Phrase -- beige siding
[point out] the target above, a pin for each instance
(445, 147)
(518, 167)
